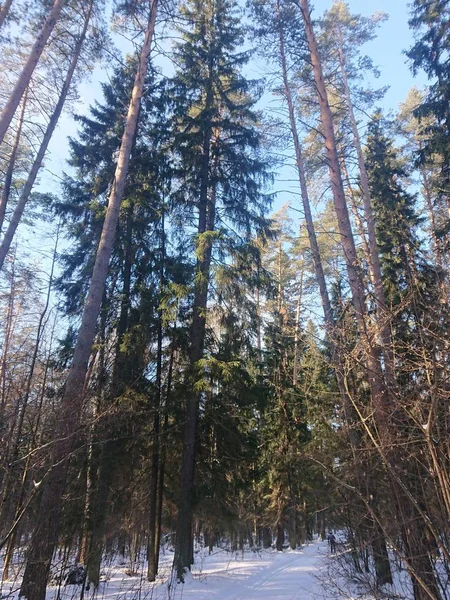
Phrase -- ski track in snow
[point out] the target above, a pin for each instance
(268, 575)
(291, 580)
(273, 575)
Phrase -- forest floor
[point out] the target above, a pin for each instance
(306, 574)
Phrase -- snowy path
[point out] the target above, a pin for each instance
(275, 576)
(267, 575)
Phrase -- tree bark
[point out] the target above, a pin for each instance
(4, 10)
(152, 551)
(297, 330)
(183, 549)
(11, 164)
(373, 367)
(51, 126)
(28, 69)
(374, 257)
(162, 460)
(46, 533)
(312, 238)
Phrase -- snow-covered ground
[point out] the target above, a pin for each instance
(265, 575)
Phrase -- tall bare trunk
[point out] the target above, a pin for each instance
(4, 10)
(318, 268)
(30, 65)
(297, 330)
(45, 535)
(152, 550)
(312, 238)
(11, 164)
(26, 191)
(357, 217)
(374, 257)
(373, 369)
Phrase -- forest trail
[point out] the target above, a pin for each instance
(265, 575)
(292, 575)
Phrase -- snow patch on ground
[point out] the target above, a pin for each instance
(265, 575)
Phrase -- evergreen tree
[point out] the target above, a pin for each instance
(218, 184)
(430, 20)
(411, 288)
(394, 207)
(141, 269)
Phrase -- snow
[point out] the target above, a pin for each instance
(290, 575)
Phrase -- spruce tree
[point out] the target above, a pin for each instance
(430, 21)
(411, 288)
(396, 217)
(140, 268)
(218, 188)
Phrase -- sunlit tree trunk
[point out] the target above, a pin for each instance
(374, 257)
(11, 164)
(46, 533)
(51, 126)
(28, 69)
(312, 237)
(4, 10)
(373, 367)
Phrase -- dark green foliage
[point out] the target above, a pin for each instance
(394, 207)
(431, 21)
(212, 99)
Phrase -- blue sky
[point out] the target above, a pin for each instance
(386, 51)
(394, 36)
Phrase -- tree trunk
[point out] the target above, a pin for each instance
(318, 268)
(8, 332)
(266, 538)
(97, 466)
(312, 238)
(13, 453)
(292, 528)
(373, 368)
(98, 515)
(4, 10)
(380, 556)
(162, 461)
(28, 69)
(206, 220)
(11, 164)
(152, 551)
(297, 331)
(183, 549)
(46, 533)
(374, 257)
(51, 126)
